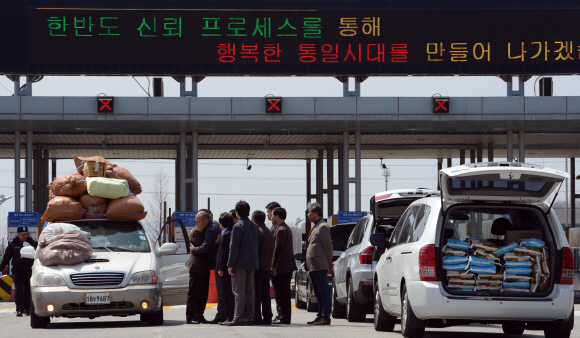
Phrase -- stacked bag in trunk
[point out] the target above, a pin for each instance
(96, 189)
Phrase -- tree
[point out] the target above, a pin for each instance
(160, 192)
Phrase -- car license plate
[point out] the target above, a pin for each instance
(97, 298)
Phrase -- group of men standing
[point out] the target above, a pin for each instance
(246, 255)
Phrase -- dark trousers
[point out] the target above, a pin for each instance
(319, 281)
(226, 281)
(221, 314)
(22, 292)
(197, 295)
(281, 283)
(262, 285)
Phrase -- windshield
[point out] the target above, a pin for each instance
(116, 236)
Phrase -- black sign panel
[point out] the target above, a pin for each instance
(105, 104)
(274, 105)
(299, 42)
(440, 105)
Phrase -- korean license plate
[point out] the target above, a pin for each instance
(97, 298)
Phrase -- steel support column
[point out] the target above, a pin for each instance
(345, 169)
(28, 171)
(53, 171)
(510, 146)
(320, 177)
(17, 171)
(479, 153)
(37, 181)
(45, 180)
(330, 179)
(572, 192)
(439, 167)
(340, 177)
(308, 192)
(462, 156)
(490, 152)
(449, 162)
(357, 166)
(182, 171)
(472, 155)
(522, 141)
(194, 172)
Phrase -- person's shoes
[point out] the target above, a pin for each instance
(225, 323)
(280, 322)
(258, 322)
(19, 313)
(216, 321)
(27, 313)
(250, 323)
(322, 321)
(266, 322)
(192, 321)
(314, 321)
(202, 320)
(235, 323)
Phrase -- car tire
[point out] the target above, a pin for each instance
(408, 317)
(310, 306)
(37, 322)
(514, 329)
(153, 319)
(355, 312)
(383, 321)
(338, 310)
(550, 333)
(297, 302)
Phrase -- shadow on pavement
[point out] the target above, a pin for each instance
(113, 324)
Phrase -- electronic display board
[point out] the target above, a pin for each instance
(108, 41)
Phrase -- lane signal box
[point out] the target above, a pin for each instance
(274, 104)
(440, 105)
(105, 104)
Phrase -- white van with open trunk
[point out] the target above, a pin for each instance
(495, 214)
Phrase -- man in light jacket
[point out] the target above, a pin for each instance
(242, 263)
(318, 261)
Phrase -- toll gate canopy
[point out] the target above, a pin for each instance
(302, 38)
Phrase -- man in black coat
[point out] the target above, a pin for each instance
(263, 311)
(21, 269)
(226, 224)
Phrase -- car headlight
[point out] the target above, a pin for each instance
(46, 279)
(143, 277)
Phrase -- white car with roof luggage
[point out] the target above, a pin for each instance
(490, 250)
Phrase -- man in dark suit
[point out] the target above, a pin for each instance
(318, 261)
(226, 224)
(269, 208)
(242, 263)
(283, 264)
(199, 267)
(262, 275)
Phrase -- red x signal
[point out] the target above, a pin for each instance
(441, 105)
(105, 104)
(274, 105)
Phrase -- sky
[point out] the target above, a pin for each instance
(227, 181)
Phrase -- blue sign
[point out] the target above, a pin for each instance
(188, 217)
(23, 219)
(350, 216)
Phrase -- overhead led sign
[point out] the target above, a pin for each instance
(297, 42)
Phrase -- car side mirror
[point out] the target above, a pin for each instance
(28, 252)
(337, 245)
(379, 240)
(299, 257)
(168, 249)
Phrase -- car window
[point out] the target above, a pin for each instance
(419, 227)
(342, 232)
(398, 227)
(353, 236)
(363, 228)
(407, 226)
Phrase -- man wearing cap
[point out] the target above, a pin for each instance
(21, 269)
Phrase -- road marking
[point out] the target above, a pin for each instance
(294, 307)
(177, 307)
(576, 313)
(7, 310)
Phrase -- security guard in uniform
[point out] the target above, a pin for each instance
(21, 269)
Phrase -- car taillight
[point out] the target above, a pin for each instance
(427, 263)
(567, 267)
(366, 256)
(329, 274)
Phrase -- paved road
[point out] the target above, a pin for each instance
(12, 326)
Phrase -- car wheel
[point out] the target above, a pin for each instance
(37, 322)
(515, 329)
(355, 312)
(299, 304)
(382, 320)
(310, 306)
(408, 316)
(556, 334)
(338, 310)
